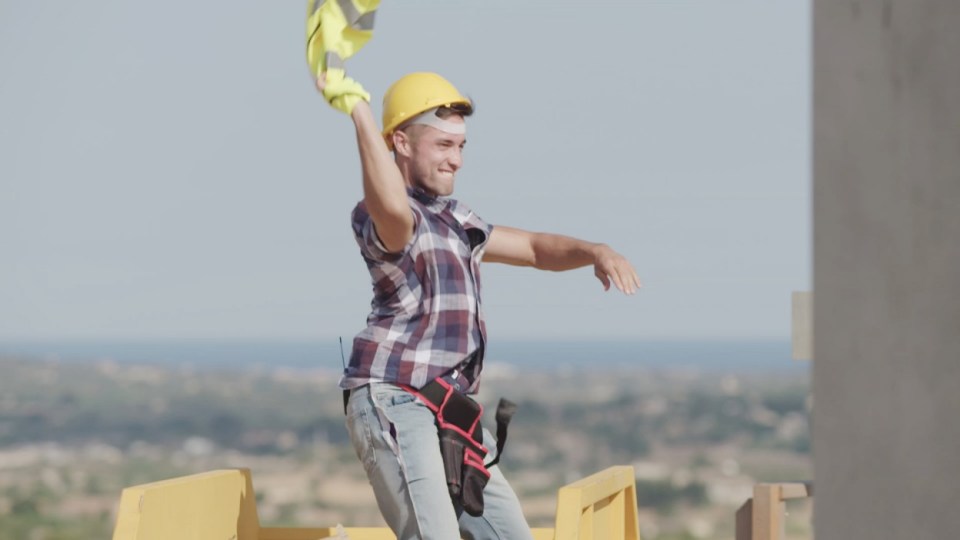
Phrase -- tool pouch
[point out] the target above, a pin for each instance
(461, 440)
(461, 445)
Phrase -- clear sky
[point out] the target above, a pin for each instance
(168, 171)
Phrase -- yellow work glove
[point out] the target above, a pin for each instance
(342, 92)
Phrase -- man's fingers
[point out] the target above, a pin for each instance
(617, 281)
(630, 278)
(627, 278)
(603, 279)
(617, 270)
(625, 286)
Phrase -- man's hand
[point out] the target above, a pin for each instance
(611, 266)
(340, 91)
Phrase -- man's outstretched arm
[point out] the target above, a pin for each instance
(556, 252)
(384, 190)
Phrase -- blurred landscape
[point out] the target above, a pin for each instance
(75, 432)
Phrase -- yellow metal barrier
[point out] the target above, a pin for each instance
(211, 505)
(600, 507)
(220, 505)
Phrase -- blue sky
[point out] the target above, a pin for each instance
(168, 171)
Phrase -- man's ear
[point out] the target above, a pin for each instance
(401, 143)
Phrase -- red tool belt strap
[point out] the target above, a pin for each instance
(461, 440)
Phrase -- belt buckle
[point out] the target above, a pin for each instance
(454, 380)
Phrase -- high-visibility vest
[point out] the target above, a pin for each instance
(336, 30)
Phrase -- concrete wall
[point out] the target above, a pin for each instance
(886, 419)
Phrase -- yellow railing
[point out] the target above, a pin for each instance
(600, 507)
(761, 517)
(221, 505)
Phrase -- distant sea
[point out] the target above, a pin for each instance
(719, 356)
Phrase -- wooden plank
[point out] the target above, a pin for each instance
(795, 490)
(744, 521)
(761, 518)
(766, 512)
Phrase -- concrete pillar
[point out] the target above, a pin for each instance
(886, 419)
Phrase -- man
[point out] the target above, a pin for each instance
(423, 251)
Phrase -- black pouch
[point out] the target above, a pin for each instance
(461, 445)
(475, 477)
(461, 441)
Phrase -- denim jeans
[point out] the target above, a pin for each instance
(395, 438)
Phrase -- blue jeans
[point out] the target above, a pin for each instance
(395, 438)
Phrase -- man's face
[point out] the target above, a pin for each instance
(435, 157)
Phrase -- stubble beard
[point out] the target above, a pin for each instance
(433, 183)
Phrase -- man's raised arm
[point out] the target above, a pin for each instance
(555, 252)
(384, 190)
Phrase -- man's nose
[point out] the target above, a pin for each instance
(456, 159)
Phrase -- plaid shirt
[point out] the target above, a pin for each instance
(425, 315)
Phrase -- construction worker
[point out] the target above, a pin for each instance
(423, 250)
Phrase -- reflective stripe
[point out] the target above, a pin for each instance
(349, 11)
(333, 61)
(354, 18)
(365, 22)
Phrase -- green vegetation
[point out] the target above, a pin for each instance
(73, 435)
(663, 495)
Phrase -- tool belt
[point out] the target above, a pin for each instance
(461, 440)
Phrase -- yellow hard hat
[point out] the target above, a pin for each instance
(416, 93)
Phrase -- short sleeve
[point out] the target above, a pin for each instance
(366, 235)
(470, 220)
